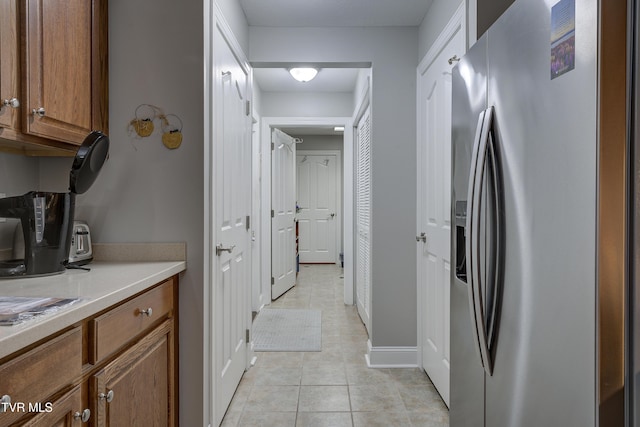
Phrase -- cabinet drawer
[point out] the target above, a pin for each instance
(39, 373)
(118, 326)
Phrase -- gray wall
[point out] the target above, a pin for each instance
(294, 104)
(147, 193)
(438, 16)
(392, 51)
(234, 15)
(319, 142)
(18, 175)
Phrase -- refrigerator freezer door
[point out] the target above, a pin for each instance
(545, 363)
(467, 374)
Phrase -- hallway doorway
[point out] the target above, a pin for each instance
(346, 197)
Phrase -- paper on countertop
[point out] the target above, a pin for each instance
(14, 310)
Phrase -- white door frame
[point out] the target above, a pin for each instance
(214, 21)
(339, 178)
(273, 122)
(455, 25)
(258, 292)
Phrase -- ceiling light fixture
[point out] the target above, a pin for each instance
(303, 74)
(338, 129)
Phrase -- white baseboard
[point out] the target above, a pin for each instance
(391, 357)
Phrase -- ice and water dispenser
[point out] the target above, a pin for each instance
(460, 239)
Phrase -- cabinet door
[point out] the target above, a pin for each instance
(63, 412)
(137, 388)
(58, 38)
(8, 64)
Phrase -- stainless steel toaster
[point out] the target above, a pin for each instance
(81, 252)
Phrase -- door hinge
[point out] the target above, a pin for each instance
(248, 110)
(248, 222)
(273, 213)
(273, 281)
(247, 337)
(273, 146)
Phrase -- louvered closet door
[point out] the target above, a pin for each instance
(363, 218)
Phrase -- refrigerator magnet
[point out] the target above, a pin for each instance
(563, 37)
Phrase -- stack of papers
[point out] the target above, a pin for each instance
(15, 310)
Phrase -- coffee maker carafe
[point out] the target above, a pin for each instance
(47, 218)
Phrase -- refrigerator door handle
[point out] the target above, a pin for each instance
(474, 197)
(472, 273)
(498, 244)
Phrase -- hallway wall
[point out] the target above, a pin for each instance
(18, 175)
(305, 104)
(392, 51)
(439, 14)
(147, 193)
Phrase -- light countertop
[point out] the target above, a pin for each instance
(105, 285)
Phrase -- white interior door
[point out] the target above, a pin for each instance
(283, 213)
(434, 212)
(317, 201)
(232, 207)
(363, 217)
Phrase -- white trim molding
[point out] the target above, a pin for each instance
(391, 357)
(457, 23)
(214, 21)
(472, 22)
(457, 26)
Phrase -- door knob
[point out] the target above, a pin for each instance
(220, 249)
(4, 402)
(40, 112)
(108, 396)
(422, 237)
(13, 102)
(147, 312)
(333, 215)
(83, 416)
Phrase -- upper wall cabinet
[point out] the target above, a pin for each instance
(61, 79)
(9, 65)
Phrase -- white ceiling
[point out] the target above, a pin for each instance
(335, 13)
(326, 13)
(327, 80)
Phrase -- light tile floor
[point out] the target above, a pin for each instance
(333, 387)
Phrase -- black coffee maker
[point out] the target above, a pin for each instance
(47, 218)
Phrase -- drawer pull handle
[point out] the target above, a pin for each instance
(148, 312)
(84, 416)
(108, 397)
(40, 112)
(4, 401)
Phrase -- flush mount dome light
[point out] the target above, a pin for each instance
(303, 74)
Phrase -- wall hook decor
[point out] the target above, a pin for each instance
(171, 132)
(171, 125)
(143, 121)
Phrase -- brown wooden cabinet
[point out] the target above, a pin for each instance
(118, 367)
(137, 387)
(62, 412)
(9, 65)
(60, 81)
(29, 380)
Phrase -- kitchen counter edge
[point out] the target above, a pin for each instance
(107, 283)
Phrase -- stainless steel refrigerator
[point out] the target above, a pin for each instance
(537, 158)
